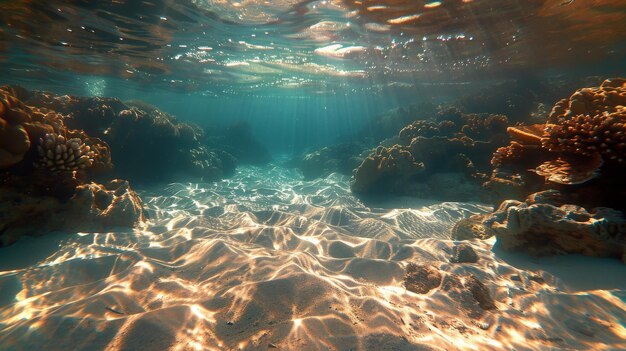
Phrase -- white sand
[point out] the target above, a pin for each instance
(263, 261)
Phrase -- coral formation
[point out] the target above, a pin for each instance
(385, 167)
(136, 130)
(543, 224)
(47, 173)
(571, 163)
(581, 147)
(60, 155)
(444, 158)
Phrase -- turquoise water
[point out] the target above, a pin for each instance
(252, 219)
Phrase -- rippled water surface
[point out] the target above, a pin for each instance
(239, 47)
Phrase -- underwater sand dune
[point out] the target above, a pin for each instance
(266, 261)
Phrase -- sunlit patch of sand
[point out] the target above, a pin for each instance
(266, 259)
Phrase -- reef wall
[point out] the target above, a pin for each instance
(562, 182)
(49, 174)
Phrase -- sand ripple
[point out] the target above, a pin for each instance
(265, 260)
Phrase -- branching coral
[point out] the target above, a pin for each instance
(421, 128)
(592, 121)
(58, 154)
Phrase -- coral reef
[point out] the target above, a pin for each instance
(444, 158)
(47, 173)
(136, 130)
(551, 173)
(543, 224)
(580, 150)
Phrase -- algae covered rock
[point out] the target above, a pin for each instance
(543, 225)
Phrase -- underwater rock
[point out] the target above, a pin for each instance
(97, 207)
(467, 292)
(340, 158)
(421, 279)
(463, 253)
(92, 208)
(471, 228)
(211, 165)
(14, 143)
(544, 225)
(453, 150)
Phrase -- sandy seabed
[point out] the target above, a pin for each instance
(266, 261)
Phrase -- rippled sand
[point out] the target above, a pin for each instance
(264, 261)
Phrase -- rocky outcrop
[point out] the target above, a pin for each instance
(544, 225)
(92, 208)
